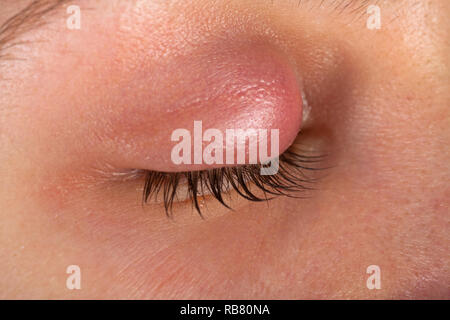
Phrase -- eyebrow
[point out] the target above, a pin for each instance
(35, 15)
(31, 17)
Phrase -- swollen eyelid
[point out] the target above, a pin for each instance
(232, 88)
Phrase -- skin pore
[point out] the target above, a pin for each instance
(81, 109)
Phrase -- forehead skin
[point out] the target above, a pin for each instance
(75, 100)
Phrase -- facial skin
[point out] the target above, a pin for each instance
(77, 106)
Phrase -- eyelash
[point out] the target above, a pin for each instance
(291, 178)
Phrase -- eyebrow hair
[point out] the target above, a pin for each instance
(31, 17)
(34, 16)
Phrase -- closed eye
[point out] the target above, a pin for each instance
(247, 181)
